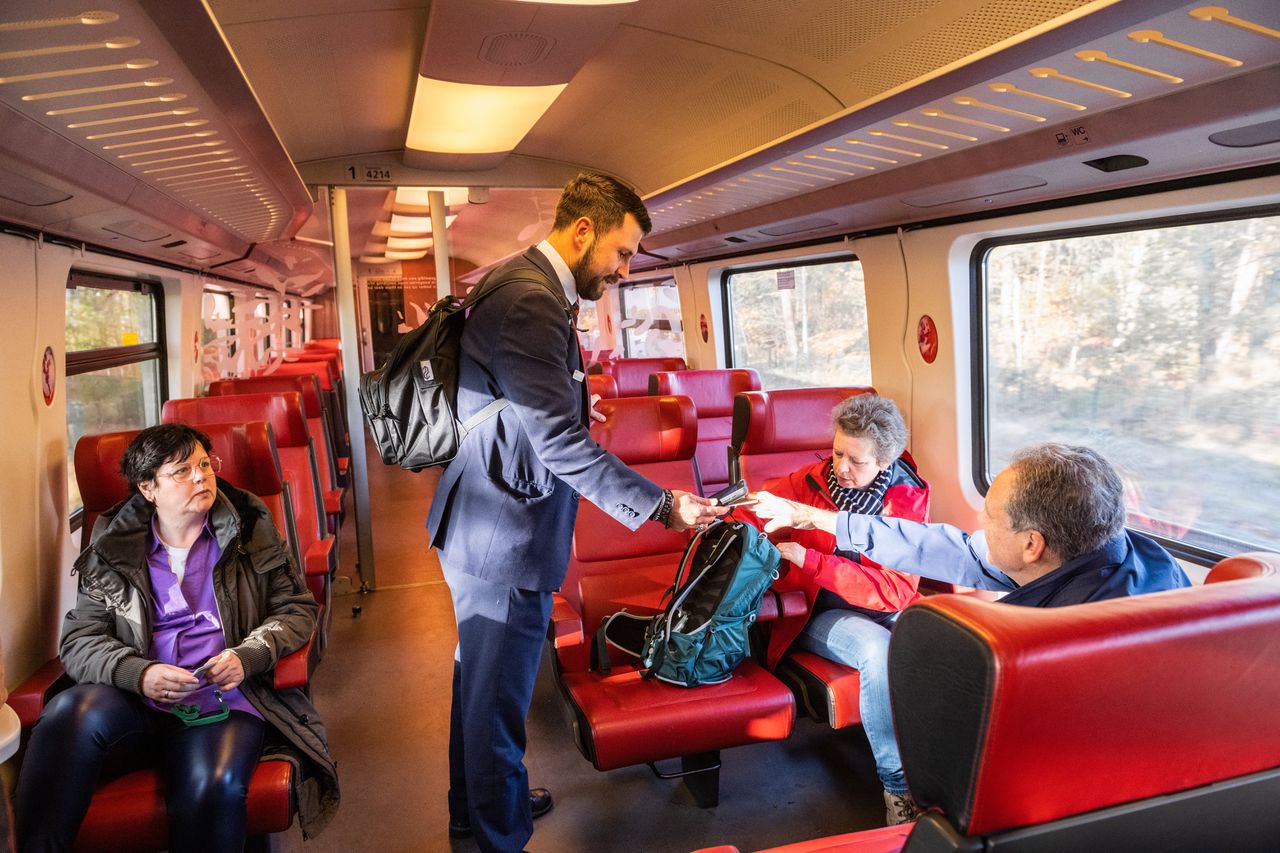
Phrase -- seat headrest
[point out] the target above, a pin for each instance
(1255, 564)
(632, 374)
(640, 430)
(319, 369)
(307, 386)
(602, 384)
(712, 391)
(281, 409)
(248, 453)
(102, 486)
(788, 420)
(1010, 716)
(326, 344)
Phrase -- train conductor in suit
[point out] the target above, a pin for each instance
(503, 512)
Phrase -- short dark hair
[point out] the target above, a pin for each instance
(874, 417)
(155, 446)
(1071, 494)
(604, 200)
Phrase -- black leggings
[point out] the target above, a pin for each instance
(95, 728)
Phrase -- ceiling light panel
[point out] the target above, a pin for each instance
(112, 83)
(1190, 46)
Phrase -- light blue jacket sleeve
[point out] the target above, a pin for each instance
(937, 551)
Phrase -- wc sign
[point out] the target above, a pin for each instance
(1072, 136)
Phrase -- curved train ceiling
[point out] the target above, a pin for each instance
(131, 124)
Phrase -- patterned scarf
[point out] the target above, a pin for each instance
(868, 501)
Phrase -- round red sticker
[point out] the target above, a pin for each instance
(48, 376)
(702, 325)
(927, 339)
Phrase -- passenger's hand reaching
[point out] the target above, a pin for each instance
(792, 551)
(779, 513)
(168, 684)
(689, 511)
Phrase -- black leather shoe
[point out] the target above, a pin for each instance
(540, 802)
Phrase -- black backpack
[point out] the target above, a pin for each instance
(700, 637)
(409, 402)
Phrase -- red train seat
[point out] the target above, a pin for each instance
(1142, 723)
(775, 432)
(128, 812)
(611, 567)
(334, 495)
(330, 397)
(712, 392)
(632, 374)
(602, 384)
(284, 412)
(102, 486)
(623, 719)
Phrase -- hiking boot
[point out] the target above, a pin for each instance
(540, 803)
(899, 808)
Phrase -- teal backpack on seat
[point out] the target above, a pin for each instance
(700, 637)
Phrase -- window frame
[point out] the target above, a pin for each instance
(79, 362)
(653, 281)
(978, 363)
(726, 287)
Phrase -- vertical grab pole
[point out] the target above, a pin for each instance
(440, 242)
(349, 332)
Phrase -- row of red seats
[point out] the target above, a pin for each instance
(1145, 723)
(621, 718)
(275, 438)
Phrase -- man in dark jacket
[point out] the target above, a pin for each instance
(1053, 535)
(503, 513)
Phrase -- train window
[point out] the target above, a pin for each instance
(801, 325)
(1158, 347)
(115, 360)
(651, 326)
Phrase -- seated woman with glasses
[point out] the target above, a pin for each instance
(853, 601)
(187, 598)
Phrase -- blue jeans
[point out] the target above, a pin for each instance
(861, 641)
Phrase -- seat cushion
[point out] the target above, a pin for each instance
(625, 719)
(128, 813)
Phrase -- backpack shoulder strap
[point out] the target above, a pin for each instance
(522, 270)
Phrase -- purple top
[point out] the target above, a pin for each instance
(188, 630)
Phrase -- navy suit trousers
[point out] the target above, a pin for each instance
(501, 631)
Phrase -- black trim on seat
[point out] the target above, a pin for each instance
(941, 733)
(1236, 815)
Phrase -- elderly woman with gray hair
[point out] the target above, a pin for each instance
(853, 601)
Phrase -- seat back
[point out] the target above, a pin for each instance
(312, 406)
(656, 437)
(776, 432)
(325, 344)
(283, 411)
(330, 397)
(102, 486)
(712, 392)
(632, 374)
(1094, 726)
(602, 384)
(251, 462)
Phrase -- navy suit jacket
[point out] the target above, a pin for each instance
(505, 506)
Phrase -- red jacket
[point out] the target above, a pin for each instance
(863, 584)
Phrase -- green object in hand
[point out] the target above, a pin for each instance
(190, 714)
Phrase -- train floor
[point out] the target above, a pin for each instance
(383, 691)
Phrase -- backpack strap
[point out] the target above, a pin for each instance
(488, 286)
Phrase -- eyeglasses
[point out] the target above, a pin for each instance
(181, 474)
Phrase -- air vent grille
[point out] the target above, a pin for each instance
(514, 50)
